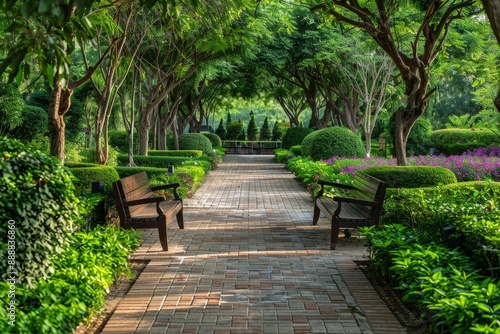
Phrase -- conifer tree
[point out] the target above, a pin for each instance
(265, 131)
(252, 130)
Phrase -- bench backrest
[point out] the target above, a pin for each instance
(130, 188)
(369, 188)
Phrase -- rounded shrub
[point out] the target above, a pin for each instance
(214, 139)
(458, 141)
(85, 176)
(412, 176)
(333, 141)
(38, 208)
(31, 115)
(295, 136)
(195, 141)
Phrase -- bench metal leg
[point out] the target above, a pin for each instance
(162, 231)
(334, 232)
(180, 219)
(316, 214)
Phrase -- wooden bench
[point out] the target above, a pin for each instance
(359, 204)
(139, 208)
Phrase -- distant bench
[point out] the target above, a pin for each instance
(139, 208)
(359, 204)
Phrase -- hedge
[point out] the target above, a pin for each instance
(176, 153)
(85, 176)
(458, 141)
(412, 176)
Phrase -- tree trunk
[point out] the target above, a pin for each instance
(492, 9)
(60, 101)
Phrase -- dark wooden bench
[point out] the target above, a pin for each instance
(359, 204)
(139, 208)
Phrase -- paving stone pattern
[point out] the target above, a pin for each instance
(250, 261)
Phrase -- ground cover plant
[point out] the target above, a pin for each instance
(58, 270)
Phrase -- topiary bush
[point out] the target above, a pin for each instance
(333, 141)
(195, 141)
(412, 176)
(85, 176)
(164, 161)
(295, 136)
(38, 208)
(214, 139)
(458, 141)
(296, 150)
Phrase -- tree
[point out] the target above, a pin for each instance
(429, 24)
(252, 130)
(221, 131)
(279, 130)
(265, 131)
(492, 9)
(11, 107)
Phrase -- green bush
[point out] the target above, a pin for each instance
(281, 155)
(76, 290)
(333, 141)
(442, 284)
(419, 140)
(296, 150)
(38, 202)
(85, 176)
(458, 141)
(214, 139)
(11, 107)
(295, 136)
(412, 176)
(195, 141)
(176, 153)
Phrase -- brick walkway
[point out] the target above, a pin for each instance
(250, 261)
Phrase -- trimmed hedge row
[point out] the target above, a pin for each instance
(458, 141)
(85, 176)
(176, 153)
(412, 176)
(163, 161)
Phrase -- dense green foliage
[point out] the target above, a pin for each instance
(333, 141)
(195, 141)
(412, 176)
(34, 122)
(419, 140)
(443, 284)
(85, 176)
(214, 139)
(38, 202)
(11, 106)
(119, 140)
(458, 141)
(295, 136)
(90, 262)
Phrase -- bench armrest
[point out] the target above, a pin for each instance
(324, 183)
(173, 186)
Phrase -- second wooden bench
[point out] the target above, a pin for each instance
(359, 204)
